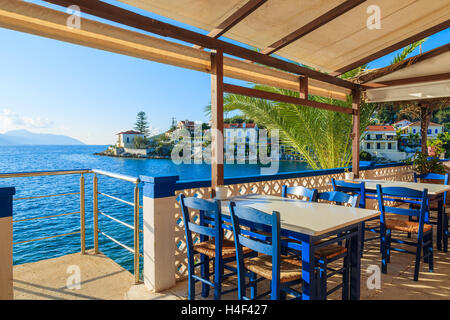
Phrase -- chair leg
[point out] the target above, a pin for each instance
(275, 290)
(445, 232)
(430, 251)
(253, 288)
(409, 233)
(363, 234)
(383, 251)
(218, 275)
(388, 245)
(205, 274)
(346, 276)
(322, 292)
(417, 264)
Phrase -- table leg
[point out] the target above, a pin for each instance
(355, 262)
(308, 277)
(440, 223)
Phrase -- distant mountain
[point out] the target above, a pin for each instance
(24, 137)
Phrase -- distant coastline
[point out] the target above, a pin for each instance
(25, 137)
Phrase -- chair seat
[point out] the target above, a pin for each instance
(290, 268)
(330, 251)
(327, 252)
(209, 248)
(406, 226)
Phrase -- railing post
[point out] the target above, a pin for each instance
(82, 216)
(6, 240)
(136, 233)
(159, 232)
(96, 214)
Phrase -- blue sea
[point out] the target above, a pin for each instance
(48, 158)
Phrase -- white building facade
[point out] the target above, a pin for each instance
(126, 138)
(381, 142)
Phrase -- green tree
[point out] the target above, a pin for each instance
(320, 137)
(386, 114)
(141, 124)
(140, 143)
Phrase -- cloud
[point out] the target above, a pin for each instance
(10, 120)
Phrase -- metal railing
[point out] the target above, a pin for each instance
(82, 211)
(134, 227)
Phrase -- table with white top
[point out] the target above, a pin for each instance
(309, 222)
(435, 192)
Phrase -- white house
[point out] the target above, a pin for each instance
(240, 134)
(186, 124)
(433, 129)
(401, 123)
(126, 138)
(380, 141)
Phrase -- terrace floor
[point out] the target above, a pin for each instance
(102, 278)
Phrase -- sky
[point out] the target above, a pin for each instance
(49, 86)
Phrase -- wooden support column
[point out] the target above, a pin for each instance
(304, 88)
(217, 143)
(356, 102)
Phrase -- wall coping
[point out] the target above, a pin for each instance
(164, 186)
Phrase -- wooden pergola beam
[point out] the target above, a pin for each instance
(42, 21)
(419, 36)
(107, 11)
(313, 25)
(412, 80)
(235, 18)
(244, 91)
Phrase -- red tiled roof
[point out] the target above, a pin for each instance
(417, 123)
(380, 128)
(130, 132)
(239, 125)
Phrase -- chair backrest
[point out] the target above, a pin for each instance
(396, 195)
(253, 240)
(444, 178)
(340, 198)
(352, 188)
(210, 214)
(310, 194)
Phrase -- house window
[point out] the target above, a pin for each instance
(368, 146)
(389, 146)
(379, 136)
(368, 137)
(435, 130)
(414, 130)
(378, 145)
(429, 131)
(128, 139)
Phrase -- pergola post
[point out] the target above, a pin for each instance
(356, 103)
(217, 175)
(304, 87)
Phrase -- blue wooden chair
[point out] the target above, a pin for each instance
(326, 255)
(398, 195)
(282, 271)
(299, 191)
(439, 178)
(340, 198)
(360, 189)
(212, 246)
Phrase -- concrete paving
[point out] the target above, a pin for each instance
(101, 278)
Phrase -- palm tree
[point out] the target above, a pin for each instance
(321, 137)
